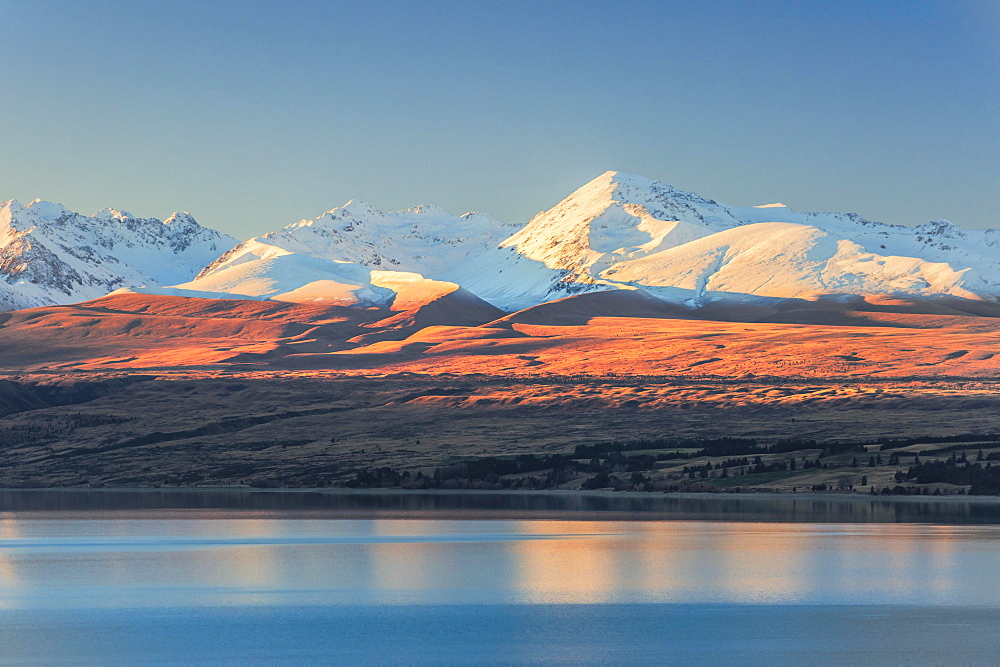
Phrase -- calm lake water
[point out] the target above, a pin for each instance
(104, 578)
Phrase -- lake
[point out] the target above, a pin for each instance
(307, 578)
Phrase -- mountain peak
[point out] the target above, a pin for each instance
(427, 209)
(353, 208)
(625, 178)
(48, 210)
(357, 207)
(181, 219)
(613, 217)
(12, 207)
(624, 188)
(608, 183)
(112, 213)
(16, 217)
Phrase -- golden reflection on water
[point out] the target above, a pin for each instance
(574, 568)
(942, 554)
(762, 563)
(528, 561)
(746, 562)
(8, 570)
(660, 561)
(402, 565)
(248, 567)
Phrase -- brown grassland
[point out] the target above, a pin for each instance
(135, 391)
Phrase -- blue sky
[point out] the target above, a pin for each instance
(252, 115)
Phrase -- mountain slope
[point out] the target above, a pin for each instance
(138, 331)
(627, 229)
(624, 231)
(617, 232)
(291, 277)
(779, 259)
(426, 240)
(50, 255)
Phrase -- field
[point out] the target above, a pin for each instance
(293, 429)
(136, 390)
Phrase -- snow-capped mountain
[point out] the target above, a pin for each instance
(617, 232)
(624, 230)
(425, 240)
(50, 255)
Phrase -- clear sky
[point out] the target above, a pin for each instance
(252, 115)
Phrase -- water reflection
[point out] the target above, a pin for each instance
(257, 583)
(8, 570)
(53, 562)
(406, 566)
(583, 567)
(760, 564)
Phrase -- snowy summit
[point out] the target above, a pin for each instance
(619, 231)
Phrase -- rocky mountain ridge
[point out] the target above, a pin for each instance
(626, 232)
(618, 231)
(50, 255)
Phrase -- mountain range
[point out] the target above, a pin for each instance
(617, 232)
(50, 255)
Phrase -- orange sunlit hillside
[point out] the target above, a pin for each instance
(571, 336)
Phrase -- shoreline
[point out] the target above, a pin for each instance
(222, 503)
(595, 493)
